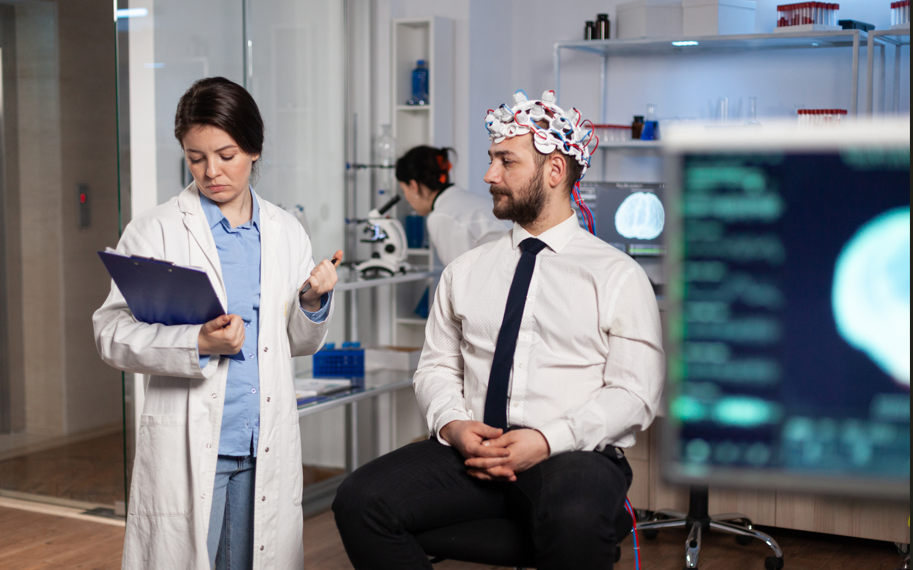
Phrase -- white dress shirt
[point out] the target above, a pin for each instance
(588, 370)
(461, 221)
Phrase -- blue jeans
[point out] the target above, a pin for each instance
(231, 522)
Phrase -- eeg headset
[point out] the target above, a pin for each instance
(562, 133)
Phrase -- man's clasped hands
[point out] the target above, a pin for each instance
(492, 454)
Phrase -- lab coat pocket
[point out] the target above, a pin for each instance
(296, 476)
(161, 471)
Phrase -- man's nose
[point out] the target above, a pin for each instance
(492, 176)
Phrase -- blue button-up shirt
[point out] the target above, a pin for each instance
(239, 256)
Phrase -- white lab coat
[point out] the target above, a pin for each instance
(462, 221)
(178, 440)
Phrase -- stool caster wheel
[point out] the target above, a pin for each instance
(650, 534)
(743, 540)
(772, 563)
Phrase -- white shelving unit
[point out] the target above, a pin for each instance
(899, 38)
(429, 39)
(607, 49)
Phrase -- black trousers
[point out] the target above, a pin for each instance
(568, 501)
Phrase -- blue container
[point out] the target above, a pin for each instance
(419, 84)
(345, 362)
(415, 231)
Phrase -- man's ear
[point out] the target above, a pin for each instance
(557, 169)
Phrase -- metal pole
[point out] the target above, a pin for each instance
(870, 75)
(855, 84)
(352, 437)
(556, 58)
(881, 73)
(897, 54)
(604, 89)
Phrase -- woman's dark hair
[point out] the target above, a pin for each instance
(221, 103)
(426, 165)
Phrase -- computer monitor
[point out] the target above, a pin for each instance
(788, 309)
(628, 215)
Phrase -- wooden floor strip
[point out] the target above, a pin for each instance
(57, 511)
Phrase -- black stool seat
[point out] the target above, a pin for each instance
(496, 542)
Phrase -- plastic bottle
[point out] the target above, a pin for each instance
(419, 84)
(385, 159)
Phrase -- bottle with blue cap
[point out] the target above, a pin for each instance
(419, 84)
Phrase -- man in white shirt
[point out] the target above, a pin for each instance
(542, 360)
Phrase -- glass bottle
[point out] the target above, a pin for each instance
(385, 159)
(637, 127)
(752, 112)
(602, 26)
(589, 30)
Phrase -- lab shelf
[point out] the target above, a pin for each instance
(407, 278)
(426, 251)
(414, 108)
(708, 44)
(899, 38)
(630, 145)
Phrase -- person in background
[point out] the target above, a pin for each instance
(217, 479)
(457, 220)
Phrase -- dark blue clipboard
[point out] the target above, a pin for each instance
(159, 292)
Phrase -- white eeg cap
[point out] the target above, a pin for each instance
(565, 133)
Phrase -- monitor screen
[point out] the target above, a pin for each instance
(628, 215)
(788, 322)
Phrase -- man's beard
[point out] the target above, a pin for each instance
(523, 206)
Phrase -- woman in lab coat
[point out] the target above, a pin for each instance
(189, 499)
(457, 220)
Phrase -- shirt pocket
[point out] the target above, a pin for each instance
(161, 471)
(296, 475)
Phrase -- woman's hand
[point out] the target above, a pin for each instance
(322, 280)
(222, 335)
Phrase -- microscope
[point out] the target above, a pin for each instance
(388, 233)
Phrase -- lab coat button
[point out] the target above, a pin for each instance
(203, 496)
(214, 396)
(261, 547)
(267, 398)
(208, 446)
(266, 450)
(264, 498)
(265, 349)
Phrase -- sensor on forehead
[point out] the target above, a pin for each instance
(563, 132)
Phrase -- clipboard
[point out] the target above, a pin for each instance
(160, 292)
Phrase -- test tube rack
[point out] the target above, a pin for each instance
(900, 15)
(807, 17)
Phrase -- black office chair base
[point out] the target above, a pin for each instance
(697, 521)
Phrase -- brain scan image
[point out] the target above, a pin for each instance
(871, 293)
(640, 216)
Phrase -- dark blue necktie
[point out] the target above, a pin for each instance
(499, 379)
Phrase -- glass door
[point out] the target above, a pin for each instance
(61, 407)
(289, 55)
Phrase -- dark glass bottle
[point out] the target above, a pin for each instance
(637, 127)
(602, 26)
(589, 32)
